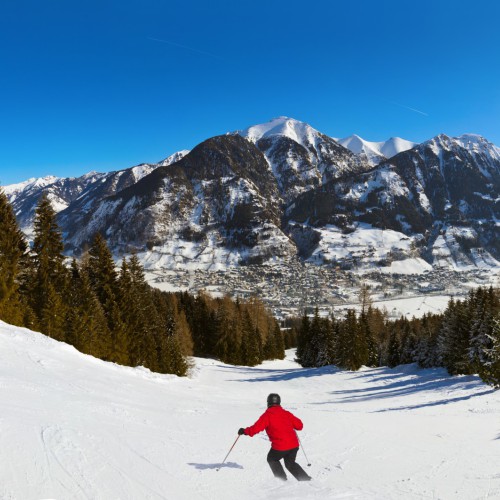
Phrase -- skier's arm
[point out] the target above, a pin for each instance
(259, 426)
(297, 423)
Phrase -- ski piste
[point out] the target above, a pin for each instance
(72, 426)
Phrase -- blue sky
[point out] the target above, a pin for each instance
(104, 85)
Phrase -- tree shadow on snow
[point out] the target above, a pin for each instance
(231, 465)
(438, 402)
(275, 375)
(436, 384)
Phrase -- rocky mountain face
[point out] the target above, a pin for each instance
(222, 195)
(281, 190)
(443, 193)
(81, 193)
(300, 157)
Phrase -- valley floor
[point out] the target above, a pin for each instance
(73, 427)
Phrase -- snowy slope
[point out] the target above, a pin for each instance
(13, 190)
(376, 152)
(73, 427)
(300, 156)
(282, 126)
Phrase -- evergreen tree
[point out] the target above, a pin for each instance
(100, 268)
(356, 351)
(364, 325)
(365, 298)
(303, 341)
(86, 327)
(227, 337)
(183, 331)
(177, 362)
(377, 324)
(485, 307)
(53, 314)
(251, 342)
(132, 332)
(408, 342)
(13, 248)
(427, 350)
(325, 343)
(49, 278)
(490, 371)
(203, 324)
(453, 341)
(275, 345)
(393, 350)
(315, 348)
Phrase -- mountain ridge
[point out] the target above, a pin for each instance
(272, 190)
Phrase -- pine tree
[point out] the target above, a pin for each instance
(13, 248)
(408, 342)
(490, 371)
(251, 342)
(453, 340)
(365, 298)
(364, 325)
(183, 331)
(393, 350)
(203, 324)
(356, 350)
(377, 324)
(169, 355)
(426, 350)
(227, 333)
(53, 314)
(316, 342)
(49, 280)
(100, 268)
(485, 307)
(275, 346)
(86, 325)
(303, 340)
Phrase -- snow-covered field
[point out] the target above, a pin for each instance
(73, 427)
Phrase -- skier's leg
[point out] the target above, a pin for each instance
(273, 459)
(298, 472)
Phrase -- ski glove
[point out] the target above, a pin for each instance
(241, 431)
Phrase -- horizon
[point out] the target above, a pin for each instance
(98, 87)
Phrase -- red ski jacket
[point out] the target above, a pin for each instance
(280, 426)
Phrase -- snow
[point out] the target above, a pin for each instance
(174, 157)
(76, 427)
(376, 152)
(12, 190)
(478, 144)
(282, 126)
(368, 247)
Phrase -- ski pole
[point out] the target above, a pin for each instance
(228, 453)
(303, 451)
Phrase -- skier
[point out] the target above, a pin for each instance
(281, 426)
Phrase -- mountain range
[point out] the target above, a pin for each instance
(283, 190)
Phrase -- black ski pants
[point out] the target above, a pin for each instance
(274, 457)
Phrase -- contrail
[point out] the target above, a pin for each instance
(185, 47)
(411, 109)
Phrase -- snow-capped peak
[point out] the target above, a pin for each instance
(478, 144)
(376, 152)
(475, 144)
(34, 182)
(174, 157)
(395, 145)
(282, 126)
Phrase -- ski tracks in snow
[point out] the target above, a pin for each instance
(80, 428)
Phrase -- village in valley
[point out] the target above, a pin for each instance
(293, 288)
